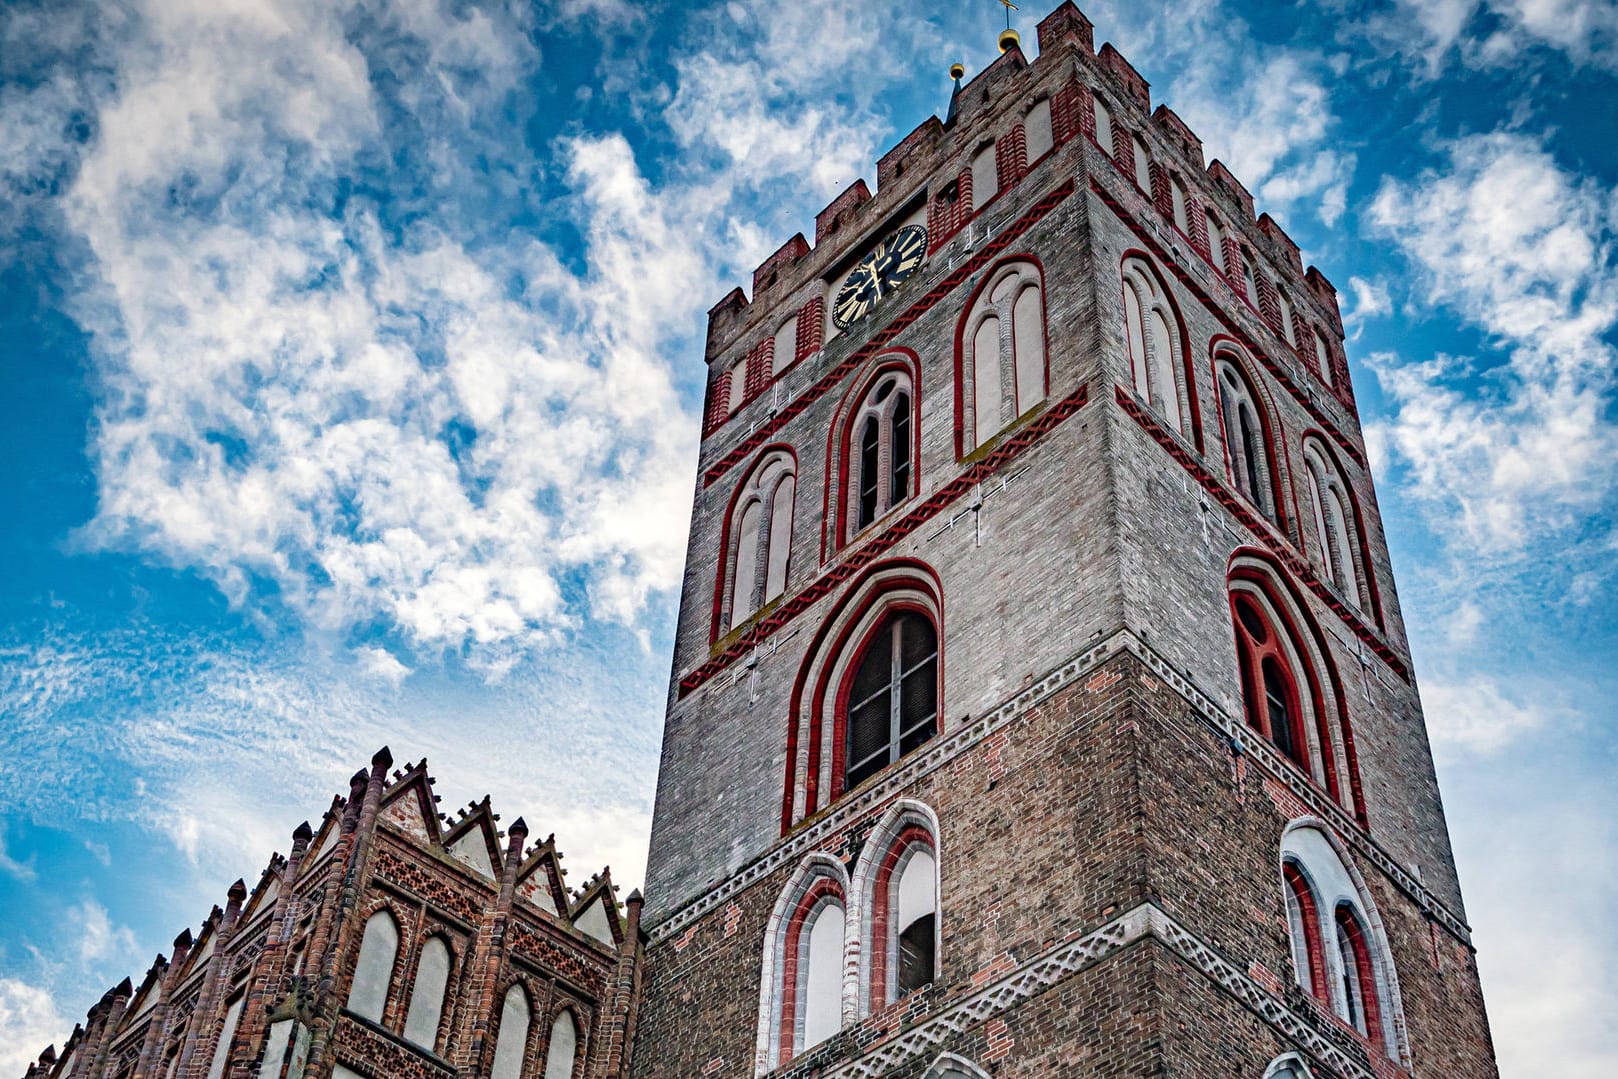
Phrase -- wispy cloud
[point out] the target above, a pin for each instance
(29, 1020)
(23, 871)
(1491, 33)
(1508, 455)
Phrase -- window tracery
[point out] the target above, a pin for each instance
(1003, 364)
(1153, 340)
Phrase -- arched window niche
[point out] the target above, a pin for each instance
(874, 452)
(511, 1038)
(950, 1066)
(1000, 350)
(562, 1047)
(1337, 544)
(1037, 130)
(870, 690)
(373, 971)
(428, 993)
(804, 965)
(1245, 427)
(1346, 932)
(758, 539)
(898, 882)
(1289, 691)
(1155, 345)
(1290, 1066)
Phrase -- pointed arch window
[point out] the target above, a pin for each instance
(1216, 244)
(909, 899)
(1037, 130)
(1303, 928)
(1288, 331)
(804, 964)
(881, 472)
(1143, 165)
(1269, 686)
(785, 349)
(511, 1045)
(1003, 368)
(1354, 974)
(1103, 126)
(1360, 1005)
(892, 695)
(373, 972)
(1153, 341)
(1246, 439)
(1337, 547)
(760, 544)
(1249, 280)
(562, 1052)
(427, 995)
(1182, 213)
(985, 177)
(1323, 358)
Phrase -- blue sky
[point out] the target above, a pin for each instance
(350, 369)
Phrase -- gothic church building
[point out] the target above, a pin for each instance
(1041, 701)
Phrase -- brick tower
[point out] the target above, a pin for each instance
(1041, 703)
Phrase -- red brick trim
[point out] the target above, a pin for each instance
(879, 340)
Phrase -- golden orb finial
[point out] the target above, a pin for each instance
(957, 69)
(1010, 39)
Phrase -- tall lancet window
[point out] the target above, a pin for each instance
(760, 537)
(1003, 372)
(1152, 338)
(881, 472)
(1247, 447)
(892, 696)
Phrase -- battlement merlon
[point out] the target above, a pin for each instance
(1065, 35)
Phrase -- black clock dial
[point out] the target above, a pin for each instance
(878, 274)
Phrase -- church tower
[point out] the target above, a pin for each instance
(1041, 701)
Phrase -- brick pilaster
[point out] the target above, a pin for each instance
(1011, 157)
(157, 1029)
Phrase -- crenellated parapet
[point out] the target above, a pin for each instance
(944, 166)
(389, 941)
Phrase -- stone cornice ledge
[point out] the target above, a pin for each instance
(816, 833)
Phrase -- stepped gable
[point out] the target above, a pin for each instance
(287, 969)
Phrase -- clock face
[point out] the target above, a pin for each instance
(878, 274)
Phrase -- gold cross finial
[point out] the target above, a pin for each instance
(1008, 36)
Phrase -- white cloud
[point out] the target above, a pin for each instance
(23, 871)
(1477, 716)
(1370, 300)
(1489, 33)
(98, 940)
(1507, 456)
(1539, 853)
(29, 1021)
(380, 664)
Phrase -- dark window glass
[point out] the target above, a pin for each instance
(1278, 706)
(893, 698)
(870, 453)
(899, 488)
(1252, 622)
(916, 955)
